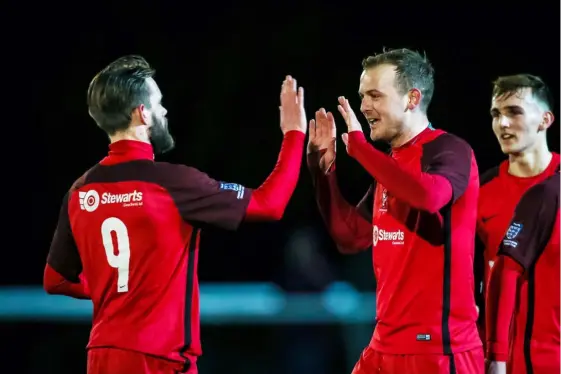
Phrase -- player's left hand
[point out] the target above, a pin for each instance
(350, 119)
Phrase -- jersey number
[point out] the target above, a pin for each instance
(122, 259)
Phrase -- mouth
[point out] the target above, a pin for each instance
(507, 137)
(373, 121)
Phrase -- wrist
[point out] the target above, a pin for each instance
(294, 132)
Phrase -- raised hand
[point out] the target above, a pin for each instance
(350, 118)
(292, 113)
(322, 137)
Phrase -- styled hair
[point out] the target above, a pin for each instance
(412, 70)
(509, 85)
(117, 90)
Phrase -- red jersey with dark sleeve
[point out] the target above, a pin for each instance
(423, 222)
(349, 226)
(499, 194)
(532, 240)
(131, 226)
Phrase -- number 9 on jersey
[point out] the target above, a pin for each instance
(122, 259)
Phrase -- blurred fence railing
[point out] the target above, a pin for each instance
(231, 303)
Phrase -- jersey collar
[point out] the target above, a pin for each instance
(128, 150)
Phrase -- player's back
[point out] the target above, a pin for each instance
(139, 258)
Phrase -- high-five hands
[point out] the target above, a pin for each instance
(292, 113)
(350, 119)
(322, 138)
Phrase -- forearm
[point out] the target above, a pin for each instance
(350, 231)
(269, 201)
(500, 305)
(55, 284)
(423, 191)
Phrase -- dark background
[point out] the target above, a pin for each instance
(220, 67)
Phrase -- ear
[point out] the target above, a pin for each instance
(141, 115)
(414, 98)
(547, 120)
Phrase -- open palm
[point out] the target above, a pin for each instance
(322, 138)
(292, 113)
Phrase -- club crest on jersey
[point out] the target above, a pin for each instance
(90, 200)
(233, 187)
(513, 230)
(511, 234)
(384, 204)
(395, 237)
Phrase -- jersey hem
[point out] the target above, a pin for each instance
(429, 350)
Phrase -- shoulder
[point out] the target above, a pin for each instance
(441, 142)
(447, 147)
(490, 175)
(545, 191)
(172, 175)
(82, 180)
(448, 141)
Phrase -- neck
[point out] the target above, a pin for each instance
(411, 130)
(137, 133)
(530, 162)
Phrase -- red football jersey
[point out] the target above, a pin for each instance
(533, 240)
(133, 225)
(419, 218)
(498, 196)
(423, 261)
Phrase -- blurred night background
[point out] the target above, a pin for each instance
(276, 297)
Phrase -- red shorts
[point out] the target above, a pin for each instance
(120, 361)
(374, 362)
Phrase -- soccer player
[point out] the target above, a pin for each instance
(128, 231)
(419, 217)
(525, 279)
(521, 110)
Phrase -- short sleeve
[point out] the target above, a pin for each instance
(63, 254)
(365, 206)
(533, 223)
(450, 157)
(203, 200)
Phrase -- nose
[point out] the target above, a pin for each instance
(503, 121)
(365, 105)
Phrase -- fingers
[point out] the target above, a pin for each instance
(321, 123)
(345, 138)
(332, 128)
(342, 111)
(291, 93)
(344, 103)
(312, 129)
(288, 87)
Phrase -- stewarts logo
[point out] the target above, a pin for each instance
(396, 237)
(90, 200)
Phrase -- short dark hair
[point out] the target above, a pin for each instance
(512, 84)
(412, 70)
(116, 90)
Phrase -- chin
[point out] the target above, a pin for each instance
(510, 150)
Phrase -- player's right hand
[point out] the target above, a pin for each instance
(292, 113)
(322, 138)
